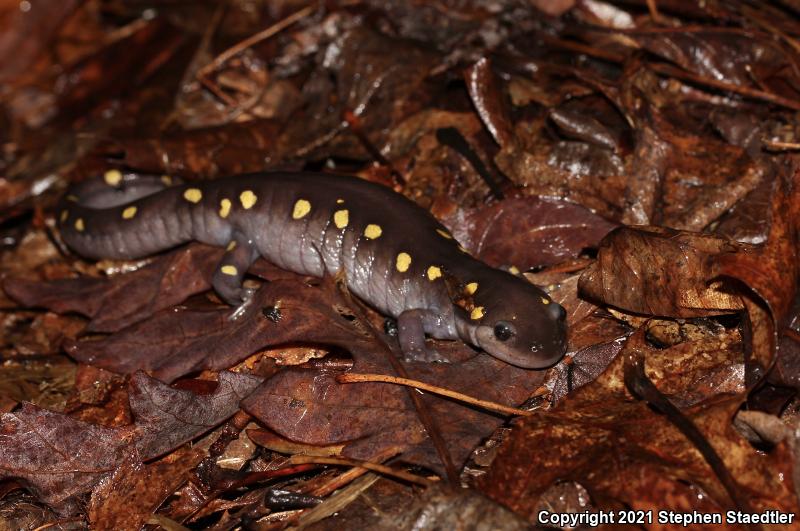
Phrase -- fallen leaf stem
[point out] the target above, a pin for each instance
(256, 38)
(375, 467)
(484, 404)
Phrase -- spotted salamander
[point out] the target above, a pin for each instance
(392, 253)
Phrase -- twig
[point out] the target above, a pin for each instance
(484, 404)
(375, 467)
(722, 85)
(351, 475)
(654, 14)
(781, 146)
(253, 39)
(791, 334)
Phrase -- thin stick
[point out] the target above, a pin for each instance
(375, 467)
(747, 92)
(351, 475)
(777, 145)
(654, 14)
(253, 39)
(484, 404)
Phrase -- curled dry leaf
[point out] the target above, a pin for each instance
(770, 270)
(660, 271)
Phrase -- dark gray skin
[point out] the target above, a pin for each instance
(296, 221)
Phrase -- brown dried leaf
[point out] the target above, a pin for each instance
(489, 101)
(56, 456)
(528, 232)
(167, 417)
(370, 418)
(26, 32)
(770, 271)
(174, 343)
(116, 302)
(659, 271)
(627, 455)
(59, 457)
(128, 497)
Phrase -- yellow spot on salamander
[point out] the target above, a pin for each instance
(301, 209)
(403, 262)
(341, 218)
(373, 231)
(231, 246)
(112, 177)
(72, 198)
(248, 199)
(462, 249)
(229, 270)
(476, 313)
(434, 272)
(167, 180)
(129, 212)
(545, 301)
(514, 270)
(471, 288)
(64, 216)
(79, 226)
(339, 201)
(193, 195)
(224, 208)
(444, 234)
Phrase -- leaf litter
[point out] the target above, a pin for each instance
(637, 160)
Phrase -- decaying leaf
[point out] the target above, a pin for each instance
(59, 457)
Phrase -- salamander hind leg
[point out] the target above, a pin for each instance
(411, 334)
(230, 271)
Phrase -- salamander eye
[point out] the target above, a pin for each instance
(503, 331)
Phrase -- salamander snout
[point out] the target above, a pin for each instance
(530, 342)
(517, 323)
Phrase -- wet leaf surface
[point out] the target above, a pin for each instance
(189, 341)
(373, 418)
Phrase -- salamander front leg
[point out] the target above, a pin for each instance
(411, 334)
(228, 276)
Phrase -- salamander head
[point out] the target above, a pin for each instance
(514, 321)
